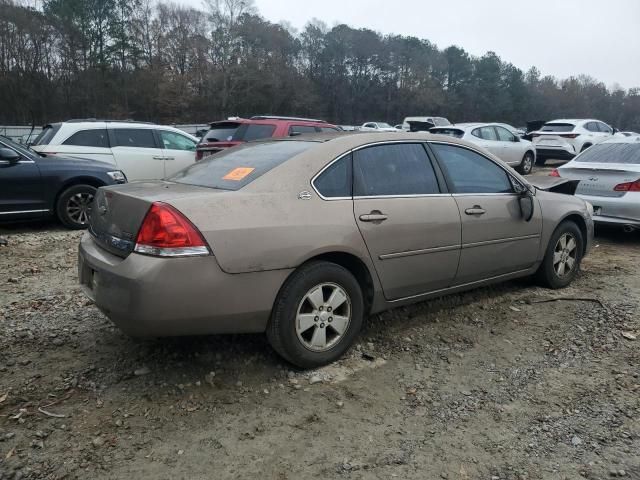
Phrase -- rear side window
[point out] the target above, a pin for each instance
(470, 172)
(89, 138)
(236, 167)
(336, 181)
(558, 127)
(300, 129)
(134, 137)
(252, 131)
(486, 133)
(394, 169)
(46, 135)
(221, 133)
(604, 128)
(628, 153)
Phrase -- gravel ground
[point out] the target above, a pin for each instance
(496, 383)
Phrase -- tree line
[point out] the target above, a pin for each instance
(169, 63)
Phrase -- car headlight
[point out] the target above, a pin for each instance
(118, 176)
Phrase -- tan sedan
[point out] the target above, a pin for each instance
(305, 237)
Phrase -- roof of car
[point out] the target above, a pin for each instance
(574, 120)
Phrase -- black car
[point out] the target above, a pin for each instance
(34, 186)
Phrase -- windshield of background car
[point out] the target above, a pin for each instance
(17, 147)
(46, 135)
(222, 132)
(558, 127)
(239, 166)
(384, 125)
(628, 153)
(253, 131)
(439, 121)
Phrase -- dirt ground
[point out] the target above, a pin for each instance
(491, 384)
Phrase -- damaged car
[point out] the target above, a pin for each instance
(303, 238)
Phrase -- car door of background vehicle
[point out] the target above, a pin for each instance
(21, 188)
(605, 131)
(411, 229)
(179, 151)
(90, 143)
(495, 238)
(488, 139)
(512, 151)
(137, 153)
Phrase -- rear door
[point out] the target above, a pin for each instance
(488, 138)
(88, 143)
(411, 228)
(495, 238)
(137, 153)
(179, 151)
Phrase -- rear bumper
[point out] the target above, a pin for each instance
(150, 296)
(554, 153)
(621, 211)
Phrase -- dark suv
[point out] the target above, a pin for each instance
(231, 132)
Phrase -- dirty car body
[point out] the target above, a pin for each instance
(303, 237)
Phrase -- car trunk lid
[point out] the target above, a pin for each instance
(118, 212)
(600, 180)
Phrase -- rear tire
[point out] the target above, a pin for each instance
(526, 166)
(562, 258)
(317, 315)
(73, 207)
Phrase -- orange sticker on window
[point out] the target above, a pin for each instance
(238, 174)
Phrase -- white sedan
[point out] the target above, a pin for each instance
(377, 127)
(511, 149)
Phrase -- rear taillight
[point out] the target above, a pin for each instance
(554, 173)
(628, 186)
(165, 232)
(569, 135)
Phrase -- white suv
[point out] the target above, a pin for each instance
(143, 151)
(564, 139)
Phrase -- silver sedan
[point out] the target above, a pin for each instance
(495, 138)
(609, 175)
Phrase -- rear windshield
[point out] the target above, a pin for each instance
(236, 167)
(558, 127)
(46, 135)
(221, 133)
(253, 131)
(628, 153)
(451, 132)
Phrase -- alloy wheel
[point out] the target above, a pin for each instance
(565, 255)
(323, 317)
(79, 207)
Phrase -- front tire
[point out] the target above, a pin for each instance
(526, 166)
(73, 207)
(562, 259)
(317, 315)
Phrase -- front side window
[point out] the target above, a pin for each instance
(505, 135)
(393, 169)
(253, 131)
(89, 138)
(336, 181)
(175, 141)
(470, 172)
(134, 137)
(604, 128)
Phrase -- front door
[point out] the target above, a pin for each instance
(411, 229)
(496, 240)
(21, 189)
(179, 151)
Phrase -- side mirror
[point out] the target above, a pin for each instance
(9, 155)
(526, 205)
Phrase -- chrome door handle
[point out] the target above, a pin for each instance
(476, 210)
(373, 217)
(158, 158)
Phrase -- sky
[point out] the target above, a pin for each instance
(600, 38)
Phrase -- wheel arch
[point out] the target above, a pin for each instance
(582, 225)
(72, 182)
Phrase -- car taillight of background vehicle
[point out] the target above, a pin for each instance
(569, 135)
(554, 173)
(165, 232)
(628, 186)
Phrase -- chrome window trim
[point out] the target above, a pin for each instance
(414, 195)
